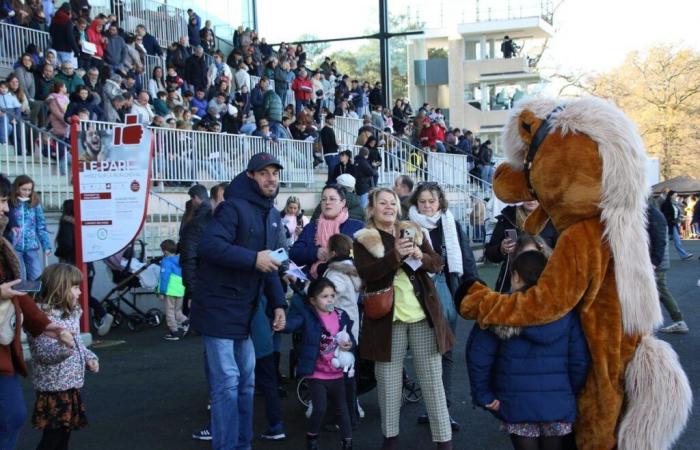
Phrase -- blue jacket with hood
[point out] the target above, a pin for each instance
(535, 372)
(228, 286)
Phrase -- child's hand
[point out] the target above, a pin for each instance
(93, 366)
(493, 406)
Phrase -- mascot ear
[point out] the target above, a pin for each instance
(528, 125)
(509, 184)
(536, 221)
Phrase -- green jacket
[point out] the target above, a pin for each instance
(272, 105)
(71, 82)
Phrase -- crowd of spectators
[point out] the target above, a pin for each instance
(98, 70)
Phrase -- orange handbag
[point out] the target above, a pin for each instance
(378, 304)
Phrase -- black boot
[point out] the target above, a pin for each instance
(444, 445)
(390, 443)
(346, 444)
(311, 442)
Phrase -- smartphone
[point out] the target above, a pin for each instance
(28, 286)
(407, 233)
(512, 234)
(280, 255)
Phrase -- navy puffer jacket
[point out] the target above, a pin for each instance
(535, 374)
(227, 285)
(307, 322)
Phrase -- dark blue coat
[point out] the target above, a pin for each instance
(305, 251)
(228, 285)
(151, 45)
(535, 375)
(307, 322)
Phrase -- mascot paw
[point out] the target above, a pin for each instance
(462, 290)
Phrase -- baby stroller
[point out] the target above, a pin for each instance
(132, 277)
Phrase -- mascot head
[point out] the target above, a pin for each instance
(584, 159)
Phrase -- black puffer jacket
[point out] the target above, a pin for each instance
(189, 241)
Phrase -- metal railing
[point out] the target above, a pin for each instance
(202, 156)
(347, 129)
(150, 63)
(166, 23)
(14, 40)
(29, 150)
(163, 220)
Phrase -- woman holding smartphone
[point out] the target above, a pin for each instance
(388, 258)
(502, 245)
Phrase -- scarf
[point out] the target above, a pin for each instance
(325, 228)
(450, 239)
(219, 69)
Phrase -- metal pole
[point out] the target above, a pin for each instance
(384, 59)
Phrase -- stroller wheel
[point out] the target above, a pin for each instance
(303, 393)
(411, 391)
(154, 317)
(134, 322)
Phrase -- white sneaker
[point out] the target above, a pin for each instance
(105, 325)
(698, 283)
(309, 410)
(676, 327)
(360, 411)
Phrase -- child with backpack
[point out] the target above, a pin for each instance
(171, 291)
(59, 371)
(529, 377)
(319, 323)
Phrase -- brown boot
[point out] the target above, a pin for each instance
(390, 443)
(444, 445)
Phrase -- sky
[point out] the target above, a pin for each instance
(591, 35)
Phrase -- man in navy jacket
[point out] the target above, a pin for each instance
(235, 269)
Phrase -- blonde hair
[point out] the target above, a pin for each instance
(373, 196)
(56, 284)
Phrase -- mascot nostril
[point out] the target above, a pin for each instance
(586, 173)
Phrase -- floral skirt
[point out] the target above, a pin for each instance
(538, 429)
(63, 409)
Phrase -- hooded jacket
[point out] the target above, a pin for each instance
(72, 82)
(33, 234)
(94, 36)
(228, 285)
(63, 34)
(305, 251)
(535, 372)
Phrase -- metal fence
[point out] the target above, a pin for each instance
(166, 23)
(202, 156)
(29, 150)
(162, 222)
(14, 40)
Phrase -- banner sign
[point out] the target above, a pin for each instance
(112, 186)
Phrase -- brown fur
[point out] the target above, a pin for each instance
(567, 178)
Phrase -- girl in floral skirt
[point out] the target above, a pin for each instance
(529, 376)
(59, 371)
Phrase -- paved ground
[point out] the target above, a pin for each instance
(151, 393)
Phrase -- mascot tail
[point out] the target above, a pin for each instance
(658, 398)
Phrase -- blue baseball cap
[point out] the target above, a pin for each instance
(261, 160)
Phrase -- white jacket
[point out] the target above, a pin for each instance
(347, 290)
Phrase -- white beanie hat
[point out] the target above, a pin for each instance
(347, 181)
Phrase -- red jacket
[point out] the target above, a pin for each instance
(94, 36)
(302, 89)
(428, 136)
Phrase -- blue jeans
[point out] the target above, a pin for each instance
(247, 128)
(30, 265)
(300, 105)
(675, 235)
(67, 57)
(231, 372)
(364, 200)
(487, 173)
(13, 413)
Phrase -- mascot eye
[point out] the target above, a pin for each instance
(526, 126)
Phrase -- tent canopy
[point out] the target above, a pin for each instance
(682, 185)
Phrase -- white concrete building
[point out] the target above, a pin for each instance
(475, 85)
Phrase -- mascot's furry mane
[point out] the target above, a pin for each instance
(624, 198)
